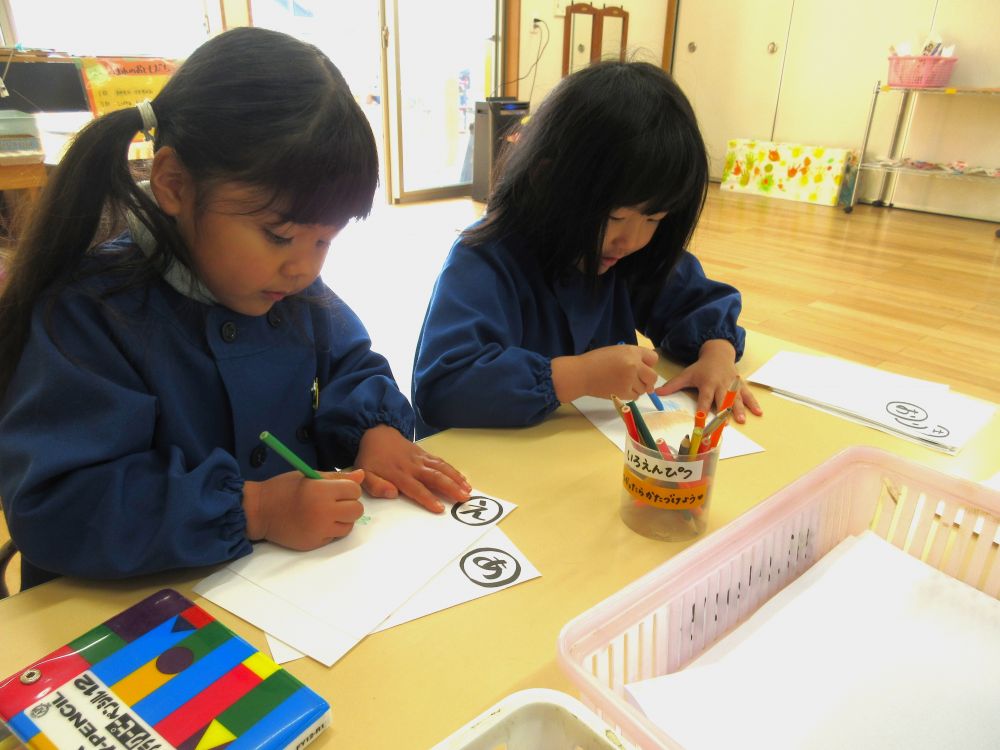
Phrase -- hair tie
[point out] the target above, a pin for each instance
(145, 108)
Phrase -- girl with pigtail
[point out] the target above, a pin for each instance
(137, 372)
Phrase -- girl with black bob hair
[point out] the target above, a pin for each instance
(138, 372)
(584, 241)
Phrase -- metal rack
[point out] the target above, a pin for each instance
(893, 166)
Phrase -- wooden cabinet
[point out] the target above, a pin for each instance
(790, 72)
(728, 58)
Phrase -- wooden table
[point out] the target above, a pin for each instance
(413, 685)
(27, 177)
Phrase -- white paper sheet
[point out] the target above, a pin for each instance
(492, 563)
(281, 652)
(870, 648)
(601, 412)
(324, 601)
(919, 410)
(993, 482)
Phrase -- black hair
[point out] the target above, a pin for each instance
(249, 106)
(612, 135)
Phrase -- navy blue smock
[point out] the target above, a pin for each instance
(131, 423)
(494, 324)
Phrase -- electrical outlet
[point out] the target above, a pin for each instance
(535, 25)
(560, 8)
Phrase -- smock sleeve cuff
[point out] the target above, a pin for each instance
(399, 422)
(737, 339)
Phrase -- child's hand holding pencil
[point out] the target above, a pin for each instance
(302, 513)
(624, 369)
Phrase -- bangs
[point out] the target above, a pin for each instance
(661, 172)
(325, 172)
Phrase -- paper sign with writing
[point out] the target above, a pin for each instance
(115, 83)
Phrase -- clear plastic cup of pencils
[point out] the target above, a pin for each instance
(667, 490)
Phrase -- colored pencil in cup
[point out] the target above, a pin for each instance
(730, 396)
(618, 404)
(685, 446)
(640, 425)
(664, 449)
(699, 426)
(630, 426)
(717, 421)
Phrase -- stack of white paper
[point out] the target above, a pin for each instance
(870, 648)
(919, 410)
(323, 602)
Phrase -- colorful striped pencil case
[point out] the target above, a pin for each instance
(162, 674)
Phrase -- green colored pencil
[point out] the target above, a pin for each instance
(640, 425)
(286, 453)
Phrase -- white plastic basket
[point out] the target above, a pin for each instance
(534, 719)
(662, 621)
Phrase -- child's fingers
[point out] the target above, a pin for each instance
(338, 530)
(705, 398)
(376, 486)
(676, 383)
(739, 411)
(445, 486)
(751, 402)
(454, 476)
(347, 511)
(415, 489)
(649, 356)
(358, 475)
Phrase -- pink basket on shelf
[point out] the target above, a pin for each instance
(665, 619)
(920, 71)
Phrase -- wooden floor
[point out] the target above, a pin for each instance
(917, 294)
(913, 293)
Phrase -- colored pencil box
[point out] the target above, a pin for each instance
(161, 674)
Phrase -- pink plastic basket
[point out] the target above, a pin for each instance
(662, 621)
(921, 72)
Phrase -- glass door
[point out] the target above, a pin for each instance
(349, 33)
(441, 58)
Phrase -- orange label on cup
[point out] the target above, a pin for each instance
(658, 496)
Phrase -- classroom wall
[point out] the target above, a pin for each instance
(942, 129)
(647, 19)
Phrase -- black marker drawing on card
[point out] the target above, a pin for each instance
(915, 417)
(477, 511)
(490, 567)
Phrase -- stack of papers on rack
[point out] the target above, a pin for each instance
(323, 602)
(927, 413)
(869, 648)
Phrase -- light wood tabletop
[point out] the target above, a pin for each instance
(413, 685)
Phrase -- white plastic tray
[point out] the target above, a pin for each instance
(535, 719)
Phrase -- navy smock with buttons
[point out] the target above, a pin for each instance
(132, 422)
(494, 324)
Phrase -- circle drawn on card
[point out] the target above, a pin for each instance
(477, 511)
(490, 567)
(906, 412)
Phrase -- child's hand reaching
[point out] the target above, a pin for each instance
(394, 465)
(623, 370)
(712, 375)
(301, 513)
